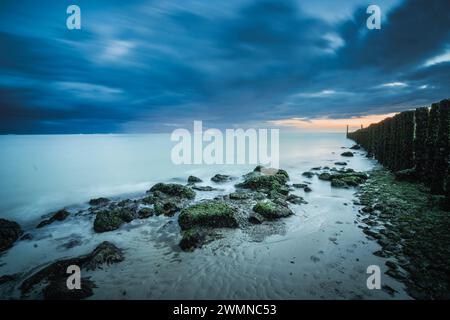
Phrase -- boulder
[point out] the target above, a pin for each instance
(212, 214)
(271, 210)
(355, 147)
(191, 239)
(193, 179)
(58, 216)
(10, 231)
(308, 174)
(99, 202)
(109, 220)
(105, 253)
(220, 178)
(347, 154)
(325, 176)
(145, 213)
(57, 290)
(173, 190)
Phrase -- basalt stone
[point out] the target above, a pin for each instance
(212, 214)
(58, 216)
(10, 231)
(339, 163)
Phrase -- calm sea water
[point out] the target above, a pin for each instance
(41, 173)
(318, 253)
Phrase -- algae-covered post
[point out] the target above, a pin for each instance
(416, 141)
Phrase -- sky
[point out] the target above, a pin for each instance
(158, 65)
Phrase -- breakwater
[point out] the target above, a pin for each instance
(414, 143)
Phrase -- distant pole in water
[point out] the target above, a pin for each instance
(361, 126)
(347, 132)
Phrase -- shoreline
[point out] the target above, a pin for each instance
(315, 242)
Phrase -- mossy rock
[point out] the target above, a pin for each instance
(191, 239)
(167, 208)
(271, 210)
(220, 178)
(109, 220)
(173, 190)
(145, 213)
(57, 216)
(325, 176)
(258, 182)
(99, 201)
(213, 214)
(194, 179)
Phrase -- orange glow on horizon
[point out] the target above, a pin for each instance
(326, 124)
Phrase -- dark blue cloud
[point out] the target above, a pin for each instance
(154, 65)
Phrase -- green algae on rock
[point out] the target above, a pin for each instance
(412, 228)
(270, 210)
(212, 214)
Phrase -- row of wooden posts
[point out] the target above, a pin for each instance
(417, 139)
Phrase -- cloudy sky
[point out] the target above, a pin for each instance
(155, 65)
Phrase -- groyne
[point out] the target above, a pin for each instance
(414, 143)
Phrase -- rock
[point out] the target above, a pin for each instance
(265, 183)
(255, 218)
(299, 185)
(10, 231)
(168, 207)
(72, 244)
(308, 174)
(8, 278)
(109, 220)
(355, 147)
(99, 201)
(192, 238)
(220, 178)
(325, 176)
(258, 168)
(271, 210)
(347, 154)
(212, 214)
(339, 163)
(283, 173)
(348, 179)
(27, 236)
(292, 198)
(316, 168)
(105, 253)
(60, 215)
(307, 189)
(193, 179)
(204, 188)
(239, 196)
(145, 213)
(57, 290)
(173, 190)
